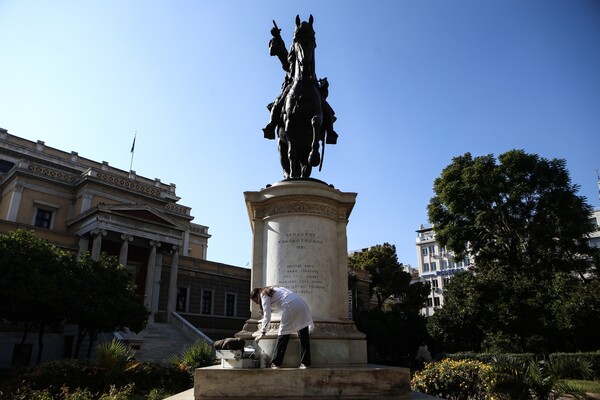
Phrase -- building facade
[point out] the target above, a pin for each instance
(436, 266)
(84, 205)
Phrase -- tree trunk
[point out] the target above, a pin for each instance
(40, 344)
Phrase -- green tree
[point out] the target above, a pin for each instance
(104, 299)
(31, 283)
(395, 327)
(527, 230)
(387, 275)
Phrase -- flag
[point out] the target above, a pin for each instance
(132, 145)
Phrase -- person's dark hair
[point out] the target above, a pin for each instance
(256, 292)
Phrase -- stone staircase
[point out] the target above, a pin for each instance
(157, 342)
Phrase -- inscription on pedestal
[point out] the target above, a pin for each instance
(302, 278)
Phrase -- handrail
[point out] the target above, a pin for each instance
(188, 329)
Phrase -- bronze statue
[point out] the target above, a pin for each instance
(300, 113)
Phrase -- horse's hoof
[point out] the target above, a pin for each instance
(314, 159)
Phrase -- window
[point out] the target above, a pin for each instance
(429, 302)
(442, 249)
(434, 284)
(467, 262)
(436, 301)
(425, 267)
(423, 251)
(445, 281)
(450, 264)
(433, 266)
(207, 306)
(443, 265)
(43, 218)
(182, 299)
(230, 300)
(431, 250)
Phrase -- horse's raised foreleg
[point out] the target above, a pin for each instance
(314, 158)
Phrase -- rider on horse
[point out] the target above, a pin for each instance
(277, 48)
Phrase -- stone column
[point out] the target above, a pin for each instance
(157, 280)
(124, 249)
(97, 244)
(150, 274)
(84, 242)
(172, 297)
(299, 241)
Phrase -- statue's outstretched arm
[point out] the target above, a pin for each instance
(277, 47)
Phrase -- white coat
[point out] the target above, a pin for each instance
(295, 313)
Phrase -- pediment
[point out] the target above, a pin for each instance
(139, 212)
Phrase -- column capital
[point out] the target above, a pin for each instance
(98, 232)
(126, 238)
(155, 243)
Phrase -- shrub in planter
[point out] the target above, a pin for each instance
(455, 380)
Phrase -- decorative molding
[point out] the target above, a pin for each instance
(124, 182)
(177, 209)
(52, 173)
(301, 204)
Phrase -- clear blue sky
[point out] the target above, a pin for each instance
(413, 83)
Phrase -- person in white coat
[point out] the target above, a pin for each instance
(295, 317)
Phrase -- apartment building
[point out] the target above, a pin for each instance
(436, 266)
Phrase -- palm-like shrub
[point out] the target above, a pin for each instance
(114, 355)
(526, 379)
(198, 355)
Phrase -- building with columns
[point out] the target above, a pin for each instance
(84, 205)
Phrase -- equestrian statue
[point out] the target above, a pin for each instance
(300, 115)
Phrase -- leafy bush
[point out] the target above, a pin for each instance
(198, 355)
(455, 380)
(78, 380)
(148, 376)
(52, 376)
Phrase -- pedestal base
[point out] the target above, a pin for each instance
(352, 383)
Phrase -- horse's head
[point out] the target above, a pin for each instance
(304, 47)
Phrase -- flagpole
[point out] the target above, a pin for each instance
(132, 151)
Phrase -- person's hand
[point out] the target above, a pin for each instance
(260, 336)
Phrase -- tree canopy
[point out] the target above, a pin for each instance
(42, 286)
(395, 327)
(527, 230)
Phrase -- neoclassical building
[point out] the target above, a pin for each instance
(84, 205)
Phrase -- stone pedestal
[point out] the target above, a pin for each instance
(368, 382)
(299, 241)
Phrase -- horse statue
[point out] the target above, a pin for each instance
(298, 112)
